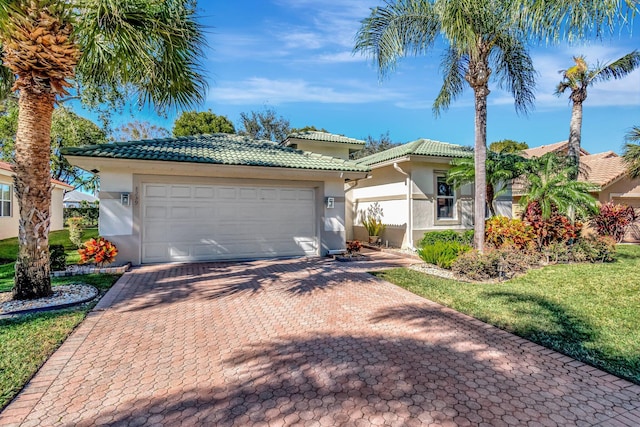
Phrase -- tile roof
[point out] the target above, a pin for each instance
(601, 169)
(9, 167)
(550, 148)
(420, 147)
(223, 149)
(325, 137)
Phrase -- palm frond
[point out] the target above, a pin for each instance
(153, 48)
(402, 28)
(515, 72)
(619, 68)
(631, 155)
(453, 66)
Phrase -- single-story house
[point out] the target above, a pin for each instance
(220, 196)
(9, 215)
(74, 199)
(409, 183)
(607, 171)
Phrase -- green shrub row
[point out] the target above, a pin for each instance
(433, 237)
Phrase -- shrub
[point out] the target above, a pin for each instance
(432, 237)
(594, 249)
(501, 264)
(57, 258)
(442, 254)
(75, 230)
(613, 220)
(502, 231)
(557, 228)
(353, 246)
(98, 251)
(89, 214)
(372, 220)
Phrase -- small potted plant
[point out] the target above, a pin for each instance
(372, 221)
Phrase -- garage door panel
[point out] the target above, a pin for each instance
(212, 222)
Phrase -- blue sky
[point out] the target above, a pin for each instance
(295, 56)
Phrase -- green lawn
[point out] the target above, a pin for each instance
(9, 252)
(590, 312)
(27, 341)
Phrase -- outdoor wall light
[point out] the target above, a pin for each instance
(124, 199)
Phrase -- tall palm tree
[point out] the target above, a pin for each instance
(577, 79)
(108, 50)
(501, 169)
(548, 184)
(631, 154)
(481, 40)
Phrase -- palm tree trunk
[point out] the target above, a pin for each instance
(480, 163)
(575, 130)
(33, 191)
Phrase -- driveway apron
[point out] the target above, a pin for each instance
(307, 342)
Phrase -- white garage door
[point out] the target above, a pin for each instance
(216, 222)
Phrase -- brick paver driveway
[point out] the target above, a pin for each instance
(303, 342)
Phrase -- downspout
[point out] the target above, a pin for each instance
(409, 184)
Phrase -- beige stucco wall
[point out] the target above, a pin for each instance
(9, 225)
(120, 224)
(57, 209)
(389, 187)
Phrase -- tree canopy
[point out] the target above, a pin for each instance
(202, 122)
(508, 146)
(136, 130)
(373, 145)
(265, 125)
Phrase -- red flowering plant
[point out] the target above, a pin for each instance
(98, 251)
(353, 247)
(613, 220)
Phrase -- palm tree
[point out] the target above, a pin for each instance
(481, 40)
(548, 184)
(501, 169)
(577, 79)
(631, 154)
(107, 49)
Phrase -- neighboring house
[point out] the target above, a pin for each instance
(605, 170)
(9, 215)
(74, 199)
(409, 183)
(221, 196)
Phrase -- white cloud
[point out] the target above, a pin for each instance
(258, 90)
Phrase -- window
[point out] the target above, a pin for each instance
(445, 199)
(5, 200)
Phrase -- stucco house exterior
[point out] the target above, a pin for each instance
(221, 196)
(409, 183)
(9, 215)
(606, 171)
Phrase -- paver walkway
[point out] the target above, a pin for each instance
(303, 342)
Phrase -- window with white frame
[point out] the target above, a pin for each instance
(445, 199)
(5, 200)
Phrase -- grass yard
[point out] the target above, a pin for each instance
(28, 341)
(590, 312)
(9, 252)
